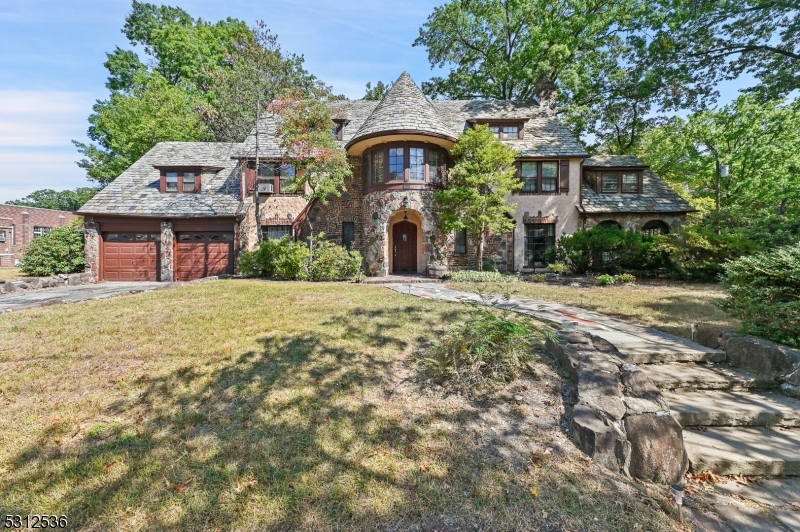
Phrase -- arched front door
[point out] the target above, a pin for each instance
(404, 241)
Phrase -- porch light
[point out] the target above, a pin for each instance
(677, 494)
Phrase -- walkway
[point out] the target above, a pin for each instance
(636, 343)
(23, 300)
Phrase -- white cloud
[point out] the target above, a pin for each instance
(42, 118)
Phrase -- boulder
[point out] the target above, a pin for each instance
(74, 279)
(708, 336)
(599, 440)
(602, 391)
(657, 452)
(22, 285)
(762, 357)
(34, 283)
(790, 390)
(641, 395)
(9, 287)
(86, 277)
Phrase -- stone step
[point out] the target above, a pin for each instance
(652, 347)
(705, 377)
(744, 450)
(721, 408)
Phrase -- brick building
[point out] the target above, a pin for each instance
(187, 209)
(19, 225)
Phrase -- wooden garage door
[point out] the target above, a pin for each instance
(203, 254)
(130, 256)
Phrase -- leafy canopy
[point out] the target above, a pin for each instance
(474, 197)
(60, 200)
(378, 91)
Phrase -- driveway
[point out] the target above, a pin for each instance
(70, 294)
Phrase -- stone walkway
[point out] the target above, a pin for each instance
(71, 294)
(741, 426)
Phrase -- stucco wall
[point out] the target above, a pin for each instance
(561, 206)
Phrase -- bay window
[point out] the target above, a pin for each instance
(406, 162)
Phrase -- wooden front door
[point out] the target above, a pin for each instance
(404, 237)
(203, 254)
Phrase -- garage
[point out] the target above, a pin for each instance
(202, 254)
(130, 256)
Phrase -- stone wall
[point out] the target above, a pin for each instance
(166, 273)
(92, 249)
(635, 221)
(346, 208)
(499, 248)
(26, 284)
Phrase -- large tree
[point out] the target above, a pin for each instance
(475, 195)
(60, 200)
(757, 140)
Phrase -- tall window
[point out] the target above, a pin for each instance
(41, 231)
(338, 130)
(348, 234)
(365, 167)
(378, 166)
(188, 182)
(396, 163)
(530, 174)
(461, 241)
(2, 236)
(286, 173)
(550, 177)
(266, 174)
(416, 164)
(538, 239)
(278, 231)
(172, 181)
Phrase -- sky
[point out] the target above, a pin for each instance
(52, 54)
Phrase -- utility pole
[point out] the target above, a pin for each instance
(259, 236)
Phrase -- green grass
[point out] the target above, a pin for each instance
(248, 405)
(669, 307)
(9, 273)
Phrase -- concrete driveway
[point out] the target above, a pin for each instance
(70, 294)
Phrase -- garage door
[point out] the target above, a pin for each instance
(130, 256)
(204, 254)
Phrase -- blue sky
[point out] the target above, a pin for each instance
(52, 54)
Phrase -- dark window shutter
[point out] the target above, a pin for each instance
(641, 183)
(518, 168)
(163, 182)
(564, 177)
(198, 180)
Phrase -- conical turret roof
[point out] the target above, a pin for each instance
(404, 109)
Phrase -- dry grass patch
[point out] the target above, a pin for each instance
(247, 405)
(668, 307)
(9, 273)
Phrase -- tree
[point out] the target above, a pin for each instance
(474, 197)
(256, 72)
(378, 91)
(61, 200)
(758, 141)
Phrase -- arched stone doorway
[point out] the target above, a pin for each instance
(404, 247)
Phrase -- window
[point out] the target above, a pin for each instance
(41, 231)
(280, 175)
(539, 177)
(177, 181)
(172, 182)
(348, 234)
(338, 129)
(396, 163)
(434, 166)
(506, 131)
(416, 164)
(510, 132)
(365, 167)
(538, 239)
(495, 130)
(266, 174)
(617, 182)
(378, 166)
(278, 231)
(530, 174)
(188, 181)
(287, 173)
(2, 236)
(461, 241)
(550, 177)
(655, 227)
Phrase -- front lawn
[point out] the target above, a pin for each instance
(666, 306)
(248, 405)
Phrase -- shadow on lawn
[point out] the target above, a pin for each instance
(312, 431)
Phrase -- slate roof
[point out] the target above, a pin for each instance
(137, 191)
(657, 196)
(613, 161)
(403, 108)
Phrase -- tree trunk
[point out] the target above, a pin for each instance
(719, 186)
(782, 207)
(479, 236)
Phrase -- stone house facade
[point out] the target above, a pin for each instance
(187, 210)
(19, 225)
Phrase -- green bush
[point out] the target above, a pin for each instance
(626, 278)
(558, 267)
(471, 276)
(764, 292)
(611, 249)
(605, 280)
(491, 346)
(538, 278)
(59, 251)
(283, 258)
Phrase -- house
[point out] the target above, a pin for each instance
(187, 210)
(19, 225)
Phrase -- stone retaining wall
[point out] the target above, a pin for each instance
(36, 283)
(621, 420)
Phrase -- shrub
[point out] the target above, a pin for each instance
(471, 276)
(538, 278)
(558, 267)
(611, 249)
(626, 278)
(59, 251)
(764, 292)
(491, 346)
(605, 280)
(332, 262)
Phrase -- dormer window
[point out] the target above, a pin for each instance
(616, 181)
(180, 181)
(280, 175)
(338, 129)
(504, 130)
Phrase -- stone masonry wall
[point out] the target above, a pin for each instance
(92, 249)
(635, 221)
(346, 208)
(167, 243)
